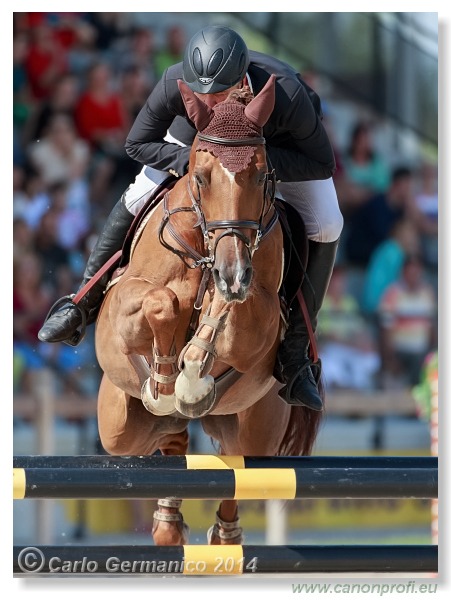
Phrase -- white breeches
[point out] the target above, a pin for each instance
(317, 203)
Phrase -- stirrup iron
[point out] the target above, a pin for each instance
(80, 332)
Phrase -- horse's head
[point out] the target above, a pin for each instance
(228, 177)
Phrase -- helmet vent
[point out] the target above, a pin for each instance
(197, 61)
(215, 62)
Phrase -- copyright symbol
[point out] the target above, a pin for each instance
(31, 560)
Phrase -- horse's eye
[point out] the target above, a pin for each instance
(199, 179)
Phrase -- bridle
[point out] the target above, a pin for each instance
(189, 255)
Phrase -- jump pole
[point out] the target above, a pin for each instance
(209, 461)
(238, 484)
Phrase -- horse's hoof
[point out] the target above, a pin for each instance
(194, 397)
(198, 409)
(161, 407)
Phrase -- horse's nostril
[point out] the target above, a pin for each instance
(247, 276)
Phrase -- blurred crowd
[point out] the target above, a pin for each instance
(79, 81)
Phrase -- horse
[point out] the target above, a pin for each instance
(191, 329)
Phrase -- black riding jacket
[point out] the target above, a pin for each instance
(297, 143)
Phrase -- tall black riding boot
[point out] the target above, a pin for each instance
(63, 322)
(294, 365)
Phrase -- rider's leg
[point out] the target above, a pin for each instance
(64, 322)
(317, 203)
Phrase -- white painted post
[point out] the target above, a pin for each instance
(276, 522)
(43, 385)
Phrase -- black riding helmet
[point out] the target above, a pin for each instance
(215, 59)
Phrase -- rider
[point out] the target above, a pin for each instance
(216, 59)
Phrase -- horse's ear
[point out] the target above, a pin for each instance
(199, 113)
(260, 108)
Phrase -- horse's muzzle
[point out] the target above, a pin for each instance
(233, 284)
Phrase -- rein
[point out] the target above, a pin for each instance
(231, 227)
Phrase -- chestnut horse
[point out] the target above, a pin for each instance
(192, 328)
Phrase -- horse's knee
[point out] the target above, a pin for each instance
(161, 305)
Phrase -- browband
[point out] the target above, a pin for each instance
(250, 141)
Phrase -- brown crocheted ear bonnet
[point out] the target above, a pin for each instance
(229, 121)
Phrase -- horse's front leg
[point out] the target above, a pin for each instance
(195, 387)
(226, 530)
(146, 323)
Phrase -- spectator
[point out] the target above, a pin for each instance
(365, 172)
(99, 113)
(22, 98)
(347, 346)
(20, 197)
(46, 60)
(60, 155)
(53, 255)
(23, 237)
(20, 81)
(138, 56)
(71, 223)
(134, 90)
(424, 392)
(109, 28)
(407, 314)
(62, 100)
(426, 212)
(372, 222)
(31, 302)
(30, 200)
(314, 81)
(173, 50)
(101, 121)
(385, 263)
(77, 36)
